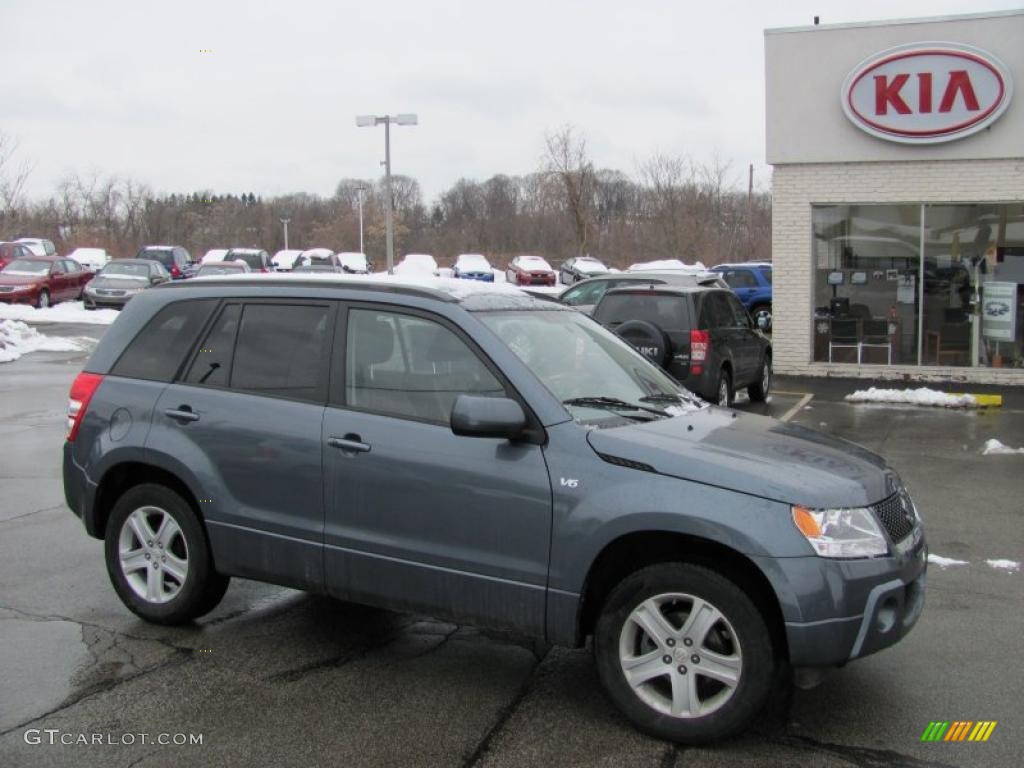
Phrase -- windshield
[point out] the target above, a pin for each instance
(253, 258)
(219, 269)
(125, 270)
(27, 267)
(534, 262)
(164, 257)
(577, 359)
(473, 262)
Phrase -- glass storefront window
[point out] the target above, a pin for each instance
(880, 300)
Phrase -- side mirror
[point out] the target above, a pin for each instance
(474, 416)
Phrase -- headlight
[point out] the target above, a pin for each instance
(851, 532)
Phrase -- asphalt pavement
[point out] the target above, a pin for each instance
(277, 677)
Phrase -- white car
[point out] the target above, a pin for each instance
(316, 256)
(284, 260)
(213, 255)
(354, 262)
(417, 264)
(667, 265)
(93, 259)
(38, 246)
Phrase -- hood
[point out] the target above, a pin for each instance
(755, 455)
(122, 283)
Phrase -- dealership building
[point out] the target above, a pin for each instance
(898, 198)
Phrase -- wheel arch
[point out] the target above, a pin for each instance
(125, 476)
(633, 551)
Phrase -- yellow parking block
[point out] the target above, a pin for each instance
(984, 401)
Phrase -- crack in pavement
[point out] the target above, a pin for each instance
(504, 715)
(671, 756)
(29, 514)
(865, 757)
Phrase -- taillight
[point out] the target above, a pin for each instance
(78, 400)
(175, 272)
(264, 269)
(700, 346)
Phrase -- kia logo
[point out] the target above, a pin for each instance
(926, 93)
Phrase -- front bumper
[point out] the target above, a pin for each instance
(840, 610)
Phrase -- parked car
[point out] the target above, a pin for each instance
(38, 246)
(42, 281)
(473, 266)
(702, 336)
(417, 264)
(121, 280)
(584, 295)
(11, 251)
(284, 260)
(257, 259)
(213, 255)
(176, 260)
(488, 458)
(580, 268)
(233, 267)
(329, 268)
(530, 270)
(315, 256)
(752, 284)
(93, 259)
(353, 262)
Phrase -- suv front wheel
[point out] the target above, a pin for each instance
(684, 653)
(158, 557)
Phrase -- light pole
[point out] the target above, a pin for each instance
(367, 121)
(285, 222)
(359, 191)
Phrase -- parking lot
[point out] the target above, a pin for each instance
(284, 678)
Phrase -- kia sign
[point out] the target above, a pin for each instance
(924, 93)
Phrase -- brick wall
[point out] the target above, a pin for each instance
(796, 187)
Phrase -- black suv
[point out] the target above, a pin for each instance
(175, 259)
(702, 336)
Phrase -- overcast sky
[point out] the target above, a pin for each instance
(125, 87)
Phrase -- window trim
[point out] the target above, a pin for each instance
(336, 393)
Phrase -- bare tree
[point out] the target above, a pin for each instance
(566, 158)
(13, 176)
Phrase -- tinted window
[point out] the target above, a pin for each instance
(408, 366)
(767, 275)
(254, 260)
(212, 362)
(164, 257)
(281, 352)
(740, 278)
(156, 353)
(588, 294)
(740, 318)
(667, 311)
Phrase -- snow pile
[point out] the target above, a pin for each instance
(993, 446)
(663, 264)
(17, 339)
(944, 562)
(919, 396)
(1004, 565)
(67, 312)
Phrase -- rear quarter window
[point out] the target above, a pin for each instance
(157, 351)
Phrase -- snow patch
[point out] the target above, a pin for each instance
(17, 339)
(662, 264)
(993, 446)
(919, 396)
(945, 562)
(67, 312)
(1004, 565)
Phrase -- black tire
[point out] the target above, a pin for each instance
(743, 634)
(203, 587)
(647, 339)
(724, 380)
(40, 303)
(759, 391)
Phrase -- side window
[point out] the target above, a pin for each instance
(410, 367)
(157, 351)
(58, 267)
(715, 313)
(740, 278)
(741, 319)
(212, 362)
(281, 351)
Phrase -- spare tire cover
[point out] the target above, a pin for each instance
(647, 339)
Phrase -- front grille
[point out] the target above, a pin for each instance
(109, 292)
(895, 516)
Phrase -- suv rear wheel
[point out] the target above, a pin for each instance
(158, 557)
(759, 392)
(684, 653)
(723, 392)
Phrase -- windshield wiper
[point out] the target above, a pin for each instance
(611, 404)
(668, 397)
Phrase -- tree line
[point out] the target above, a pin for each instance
(671, 207)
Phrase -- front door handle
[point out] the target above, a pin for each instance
(349, 444)
(181, 413)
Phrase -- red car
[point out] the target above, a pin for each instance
(11, 251)
(42, 281)
(530, 270)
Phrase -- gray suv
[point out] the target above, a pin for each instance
(483, 456)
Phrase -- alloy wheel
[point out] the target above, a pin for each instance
(680, 655)
(153, 554)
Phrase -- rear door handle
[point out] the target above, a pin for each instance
(349, 444)
(181, 413)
